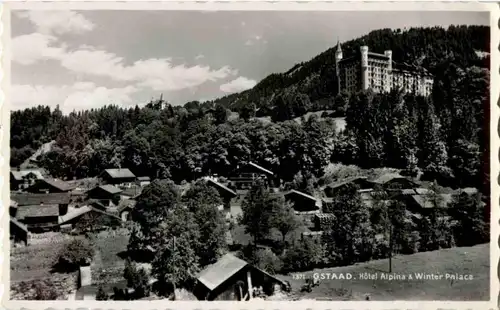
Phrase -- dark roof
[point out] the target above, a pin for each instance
(426, 202)
(61, 185)
(126, 204)
(25, 199)
(387, 177)
(222, 186)
(18, 224)
(73, 214)
(120, 173)
(37, 211)
(295, 192)
(261, 168)
(81, 211)
(20, 174)
(108, 188)
(214, 275)
(345, 181)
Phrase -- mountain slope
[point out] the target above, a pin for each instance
(426, 47)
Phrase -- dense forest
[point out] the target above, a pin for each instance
(442, 137)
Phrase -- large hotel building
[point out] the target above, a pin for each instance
(378, 72)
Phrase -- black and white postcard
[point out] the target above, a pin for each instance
(270, 155)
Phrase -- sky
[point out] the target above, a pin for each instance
(87, 59)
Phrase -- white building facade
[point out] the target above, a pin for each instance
(378, 72)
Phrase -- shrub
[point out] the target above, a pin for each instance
(266, 260)
(302, 255)
(101, 295)
(137, 278)
(45, 290)
(77, 253)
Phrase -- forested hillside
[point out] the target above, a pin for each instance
(426, 47)
(443, 136)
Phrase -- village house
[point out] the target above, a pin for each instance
(423, 203)
(39, 218)
(143, 181)
(46, 186)
(130, 192)
(225, 192)
(119, 176)
(105, 194)
(302, 202)
(39, 212)
(231, 278)
(394, 181)
(21, 179)
(246, 175)
(362, 183)
(88, 218)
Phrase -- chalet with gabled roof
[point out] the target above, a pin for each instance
(232, 278)
(246, 175)
(105, 194)
(423, 203)
(118, 176)
(38, 218)
(361, 182)
(23, 204)
(302, 202)
(46, 186)
(89, 218)
(21, 179)
(225, 192)
(394, 181)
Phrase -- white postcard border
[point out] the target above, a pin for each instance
(253, 6)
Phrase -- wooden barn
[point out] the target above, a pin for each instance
(231, 278)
